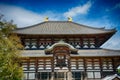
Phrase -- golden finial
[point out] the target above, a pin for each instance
(46, 19)
(69, 19)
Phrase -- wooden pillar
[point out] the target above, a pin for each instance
(69, 74)
(82, 77)
(113, 65)
(77, 64)
(65, 76)
(23, 41)
(36, 69)
(52, 40)
(38, 43)
(96, 42)
(69, 62)
(67, 40)
(101, 67)
(81, 39)
(52, 76)
(52, 63)
(85, 73)
(52, 66)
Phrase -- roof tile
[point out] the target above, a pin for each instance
(61, 27)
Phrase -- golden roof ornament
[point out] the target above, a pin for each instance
(69, 19)
(46, 19)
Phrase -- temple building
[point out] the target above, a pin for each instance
(65, 50)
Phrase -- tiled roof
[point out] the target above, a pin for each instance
(98, 53)
(34, 53)
(62, 28)
(81, 53)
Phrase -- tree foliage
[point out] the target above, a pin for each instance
(118, 70)
(10, 46)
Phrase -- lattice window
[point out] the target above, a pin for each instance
(77, 43)
(76, 75)
(42, 46)
(32, 66)
(41, 43)
(73, 64)
(40, 64)
(78, 46)
(29, 69)
(48, 46)
(90, 75)
(71, 41)
(47, 64)
(80, 64)
(96, 64)
(31, 75)
(61, 61)
(85, 43)
(27, 43)
(92, 42)
(25, 66)
(93, 75)
(93, 64)
(107, 65)
(89, 64)
(44, 76)
(33, 44)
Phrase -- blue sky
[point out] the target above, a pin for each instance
(95, 13)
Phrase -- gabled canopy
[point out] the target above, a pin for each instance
(61, 28)
(61, 43)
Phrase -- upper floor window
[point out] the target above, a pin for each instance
(107, 65)
(33, 44)
(85, 43)
(30, 43)
(92, 42)
(27, 43)
(61, 61)
(89, 43)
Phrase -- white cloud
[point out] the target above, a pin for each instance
(82, 9)
(23, 17)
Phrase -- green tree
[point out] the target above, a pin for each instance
(118, 70)
(10, 46)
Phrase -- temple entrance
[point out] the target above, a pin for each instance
(44, 76)
(60, 76)
(76, 75)
(61, 67)
(67, 76)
